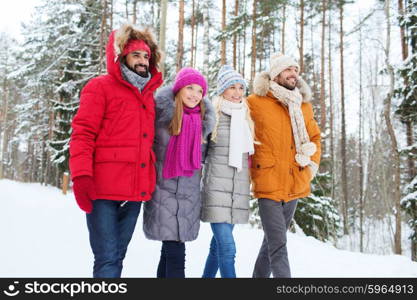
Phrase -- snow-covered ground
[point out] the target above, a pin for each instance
(44, 234)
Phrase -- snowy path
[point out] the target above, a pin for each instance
(44, 235)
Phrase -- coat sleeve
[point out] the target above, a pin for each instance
(205, 148)
(314, 133)
(85, 128)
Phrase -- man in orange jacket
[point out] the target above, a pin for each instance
(285, 161)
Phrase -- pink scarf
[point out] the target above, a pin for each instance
(183, 154)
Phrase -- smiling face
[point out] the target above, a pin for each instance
(138, 62)
(288, 78)
(191, 95)
(234, 93)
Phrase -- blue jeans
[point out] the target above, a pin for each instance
(172, 261)
(111, 225)
(222, 252)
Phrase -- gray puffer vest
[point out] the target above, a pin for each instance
(226, 192)
(173, 213)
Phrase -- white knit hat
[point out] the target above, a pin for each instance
(279, 62)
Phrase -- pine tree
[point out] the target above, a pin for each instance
(407, 90)
(409, 205)
(404, 111)
(7, 108)
(317, 214)
(62, 54)
(407, 110)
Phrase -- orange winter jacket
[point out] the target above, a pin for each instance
(275, 173)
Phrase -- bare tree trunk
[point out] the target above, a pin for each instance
(180, 46)
(154, 22)
(391, 132)
(223, 42)
(239, 54)
(134, 11)
(102, 37)
(206, 38)
(332, 151)
(162, 32)
(244, 45)
(410, 141)
(5, 113)
(284, 18)
(111, 14)
(192, 33)
(301, 37)
(402, 31)
(195, 38)
(50, 137)
(253, 61)
(65, 182)
(322, 83)
(235, 35)
(261, 51)
(361, 178)
(29, 159)
(343, 137)
(127, 9)
(315, 84)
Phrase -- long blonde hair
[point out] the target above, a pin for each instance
(217, 103)
(174, 127)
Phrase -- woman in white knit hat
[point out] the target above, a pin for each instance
(226, 191)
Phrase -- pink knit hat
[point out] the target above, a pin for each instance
(187, 76)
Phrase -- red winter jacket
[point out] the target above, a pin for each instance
(113, 130)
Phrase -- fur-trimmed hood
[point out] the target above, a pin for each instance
(118, 40)
(164, 101)
(261, 86)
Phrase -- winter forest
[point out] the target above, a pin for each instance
(359, 58)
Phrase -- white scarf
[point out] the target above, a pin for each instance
(293, 100)
(241, 139)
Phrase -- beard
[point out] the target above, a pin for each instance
(144, 74)
(285, 83)
(289, 86)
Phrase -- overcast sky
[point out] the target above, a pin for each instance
(13, 12)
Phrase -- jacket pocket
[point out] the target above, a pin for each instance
(114, 170)
(263, 175)
(302, 177)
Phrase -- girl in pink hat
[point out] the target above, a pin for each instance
(184, 118)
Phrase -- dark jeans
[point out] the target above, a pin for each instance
(222, 252)
(172, 261)
(111, 225)
(273, 257)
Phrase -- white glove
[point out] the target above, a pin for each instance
(308, 149)
(302, 160)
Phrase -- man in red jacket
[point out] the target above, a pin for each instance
(111, 157)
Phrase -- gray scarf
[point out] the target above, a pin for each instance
(133, 78)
